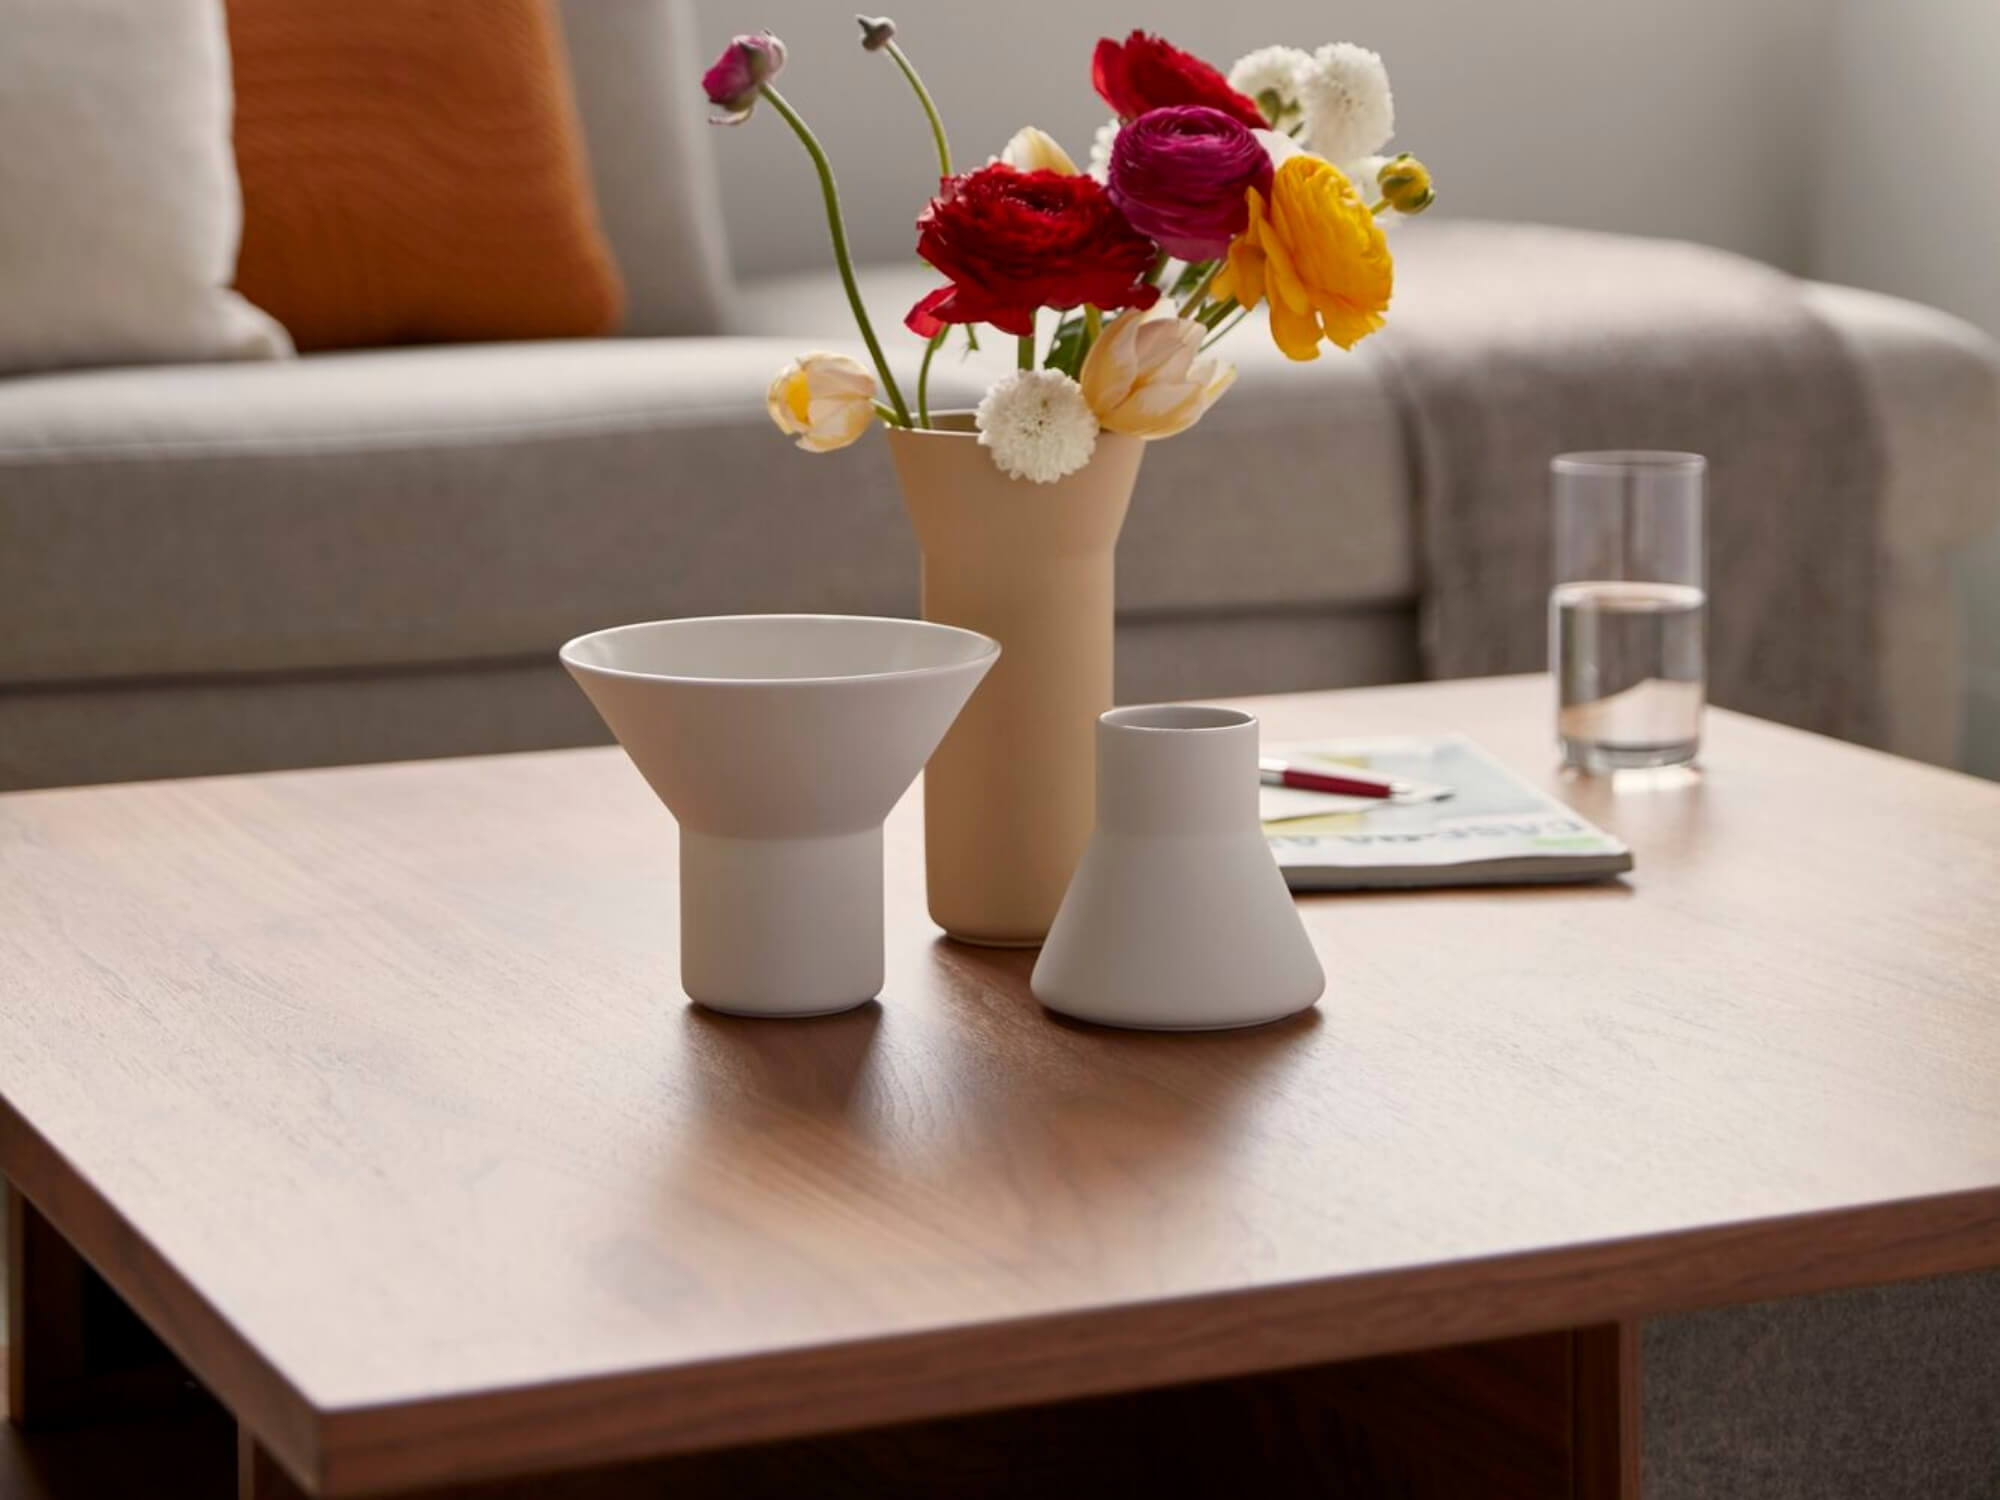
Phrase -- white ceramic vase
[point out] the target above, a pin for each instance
(780, 743)
(1178, 918)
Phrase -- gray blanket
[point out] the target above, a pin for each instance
(1555, 340)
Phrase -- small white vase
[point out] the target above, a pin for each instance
(779, 743)
(1178, 918)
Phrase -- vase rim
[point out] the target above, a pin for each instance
(1176, 718)
(966, 415)
(592, 652)
(970, 431)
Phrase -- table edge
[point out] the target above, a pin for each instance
(941, 1372)
(352, 1450)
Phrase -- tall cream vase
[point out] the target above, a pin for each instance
(1009, 797)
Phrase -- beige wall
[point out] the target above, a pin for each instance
(1682, 119)
(1908, 201)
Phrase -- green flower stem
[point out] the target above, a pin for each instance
(1215, 312)
(1093, 325)
(895, 50)
(924, 377)
(883, 411)
(1201, 288)
(837, 231)
(1025, 352)
(1241, 314)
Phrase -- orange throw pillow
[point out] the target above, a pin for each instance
(413, 171)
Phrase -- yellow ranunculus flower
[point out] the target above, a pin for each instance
(1141, 376)
(1032, 150)
(826, 401)
(1317, 254)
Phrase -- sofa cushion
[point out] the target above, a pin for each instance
(119, 202)
(424, 505)
(486, 502)
(414, 174)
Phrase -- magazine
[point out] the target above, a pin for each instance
(1493, 829)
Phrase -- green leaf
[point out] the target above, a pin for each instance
(1066, 349)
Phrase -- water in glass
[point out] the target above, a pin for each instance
(1629, 659)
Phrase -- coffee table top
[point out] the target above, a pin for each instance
(373, 1090)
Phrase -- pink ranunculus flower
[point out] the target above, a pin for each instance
(746, 65)
(1182, 176)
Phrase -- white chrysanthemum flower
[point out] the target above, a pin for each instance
(1349, 111)
(1270, 75)
(1037, 425)
(1100, 149)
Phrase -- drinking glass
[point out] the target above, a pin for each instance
(1628, 611)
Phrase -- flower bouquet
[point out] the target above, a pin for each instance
(1207, 196)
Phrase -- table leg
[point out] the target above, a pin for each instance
(46, 1286)
(258, 1476)
(1604, 1404)
(76, 1353)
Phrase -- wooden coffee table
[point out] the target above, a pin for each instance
(371, 1092)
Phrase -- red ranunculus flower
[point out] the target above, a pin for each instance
(1144, 72)
(1013, 241)
(1183, 175)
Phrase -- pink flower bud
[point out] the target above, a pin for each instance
(746, 65)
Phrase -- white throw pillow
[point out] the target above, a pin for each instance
(119, 205)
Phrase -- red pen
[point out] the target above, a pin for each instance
(1347, 782)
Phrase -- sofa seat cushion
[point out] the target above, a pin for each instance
(470, 503)
(423, 505)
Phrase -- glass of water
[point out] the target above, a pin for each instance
(1628, 611)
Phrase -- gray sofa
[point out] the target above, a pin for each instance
(374, 555)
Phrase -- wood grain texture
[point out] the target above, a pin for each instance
(373, 1091)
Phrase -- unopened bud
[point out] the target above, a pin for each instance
(876, 32)
(1406, 184)
(746, 65)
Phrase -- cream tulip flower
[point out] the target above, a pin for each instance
(1033, 150)
(824, 400)
(1141, 377)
